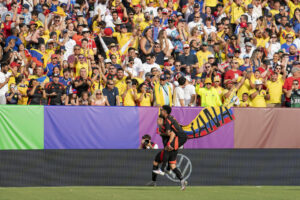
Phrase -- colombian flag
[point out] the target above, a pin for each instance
(37, 56)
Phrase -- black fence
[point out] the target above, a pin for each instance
(133, 167)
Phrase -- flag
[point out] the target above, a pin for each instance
(207, 121)
(37, 56)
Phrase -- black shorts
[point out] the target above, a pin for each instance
(178, 142)
(170, 156)
(159, 156)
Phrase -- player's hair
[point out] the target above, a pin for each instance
(167, 108)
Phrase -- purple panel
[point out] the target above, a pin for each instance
(90, 127)
(221, 138)
(148, 124)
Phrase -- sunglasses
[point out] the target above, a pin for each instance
(81, 57)
(113, 58)
(156, 46)
(148, 59)
(208, 83)
(177, 65)
(128, 82)
(98, 93)
(109, 83)
(111, 68)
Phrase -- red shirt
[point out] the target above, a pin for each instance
(230, 74)
(288, 85)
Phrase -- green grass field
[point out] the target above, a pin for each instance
(152, 193)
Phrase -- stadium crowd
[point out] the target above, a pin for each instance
(241, 53)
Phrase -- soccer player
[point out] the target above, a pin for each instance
(169, 127)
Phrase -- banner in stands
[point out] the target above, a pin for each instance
(92, 127)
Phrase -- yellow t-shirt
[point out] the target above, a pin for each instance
(245, 103)
(283, 35)
(96, 85)
(211, 3)
(275, 90)
(122, 38)
(292, 7)
(87, 52)
(96, 28)
(146, 100)
(129, 98)
(22, 88)
(261, 42)
(220, 91)
(229, 102)
(121, 85)
(202, 57)
(259, 100)
(245, 88)
(144, 25)
(274, 12)
(236, 12)
(79, 65)
(209, 97)
(137, 19)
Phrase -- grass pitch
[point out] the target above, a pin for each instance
(152, 193)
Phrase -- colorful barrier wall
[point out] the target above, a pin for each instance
(65, 127)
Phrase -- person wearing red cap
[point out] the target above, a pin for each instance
(230, 93)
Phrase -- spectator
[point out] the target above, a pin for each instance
(4, 78)
(72, 99)
(163, 92)
(145, 95)
(55, 91)
(112, 93)
(259, 95)
(36, 92)
(129, 94)
(275, 90)
(98, 99)
(13, 96)
(209, 95)
(245, 101)
(147, 144)
(190, 97)
(179, 93)
(294, 94)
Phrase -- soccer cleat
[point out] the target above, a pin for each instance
(183, 184)
(159, 172)
(151, 183)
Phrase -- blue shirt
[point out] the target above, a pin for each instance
(111, 95)
(18, 42)
(49, 68)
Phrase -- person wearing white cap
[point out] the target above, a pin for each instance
(247, 51)
(259, 95)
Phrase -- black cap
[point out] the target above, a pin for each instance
(196, 5)
(288, 24)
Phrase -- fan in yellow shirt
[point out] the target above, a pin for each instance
(129, 95)
(120, 83)
(209, 95)
(82, 64)
(258, 95)
(236, 11)
(202, 55)
(217, 83)
(245, 102)
(144, 97)
(230, 93)
(275, 89)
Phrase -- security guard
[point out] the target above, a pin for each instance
(55, 91)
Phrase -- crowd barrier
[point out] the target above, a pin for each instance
(134, 167)
(79, 127)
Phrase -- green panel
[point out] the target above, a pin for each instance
(21, 127)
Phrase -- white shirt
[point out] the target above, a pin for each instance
(297, 43)
(164, 44)
(192, 24)
(178, 95)
(69, 45)
(151, 10)
(189, 90)
(210, 30)
(257, 10)
(274, 48)
(244, 53)
(4, 89)
(169, 31)
(147, 68)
